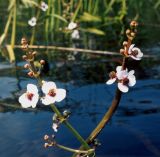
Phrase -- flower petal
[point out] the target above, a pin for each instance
(72, 25)
(60, 94)
(131, 72)
(48, 86)
(25, 103)
(122, 88)
(55, 127)
(31, 88)
(119, 68)
(47, 100)
(75, 34)
(111, 81)
(130, 49)
(132, 80)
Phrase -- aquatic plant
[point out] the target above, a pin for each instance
(49, 94)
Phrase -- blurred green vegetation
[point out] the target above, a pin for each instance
(99, 21)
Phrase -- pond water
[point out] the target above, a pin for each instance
(132, 132)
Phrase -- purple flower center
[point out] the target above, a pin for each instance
(29, 96)
(134, 53)
(125, 81)
(52, 92)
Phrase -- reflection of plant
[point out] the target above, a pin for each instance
(53, 94)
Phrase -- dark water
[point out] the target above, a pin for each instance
(132, 132)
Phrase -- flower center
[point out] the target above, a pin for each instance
(134, 53)
(125, 81)
(29, 96)
(52, 92)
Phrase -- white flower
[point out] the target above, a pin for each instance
(72, 25)
(123, 77)
(32, 22)
(52, 93)
(135, 52)
(30, 98)
(118, 75)
(126, 79)
(55, 127)
(75, 34)
(44, 6)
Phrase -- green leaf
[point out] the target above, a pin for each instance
(89, 18)
(11, 4)
(94, 31)
(57, 16)
(30, 3)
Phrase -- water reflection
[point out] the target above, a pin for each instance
(133, 131)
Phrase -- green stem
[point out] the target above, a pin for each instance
(76, 11)
(34, 29)
(69, 126)
(13, 26)
(75, 150)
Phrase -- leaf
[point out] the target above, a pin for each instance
(30, 3)
(11, 4)
(11, 53)
(57, 16)
(89, 18)
(94, 31)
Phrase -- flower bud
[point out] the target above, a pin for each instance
(133, 23)
(42, 62)
(133, 34)
(24, 47)
(128, 31)
(31, 74)
(26, 66)
(24, 57)
(125, 43)
(112, 74)
(24, 41)
(46, 145)
(122, 51)
(46, 137)
(34, 53)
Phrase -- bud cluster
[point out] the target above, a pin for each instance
(49, 141)
(30, 57)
